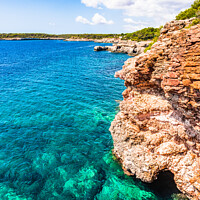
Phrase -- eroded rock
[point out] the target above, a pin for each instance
(132, 48)
(158, 126)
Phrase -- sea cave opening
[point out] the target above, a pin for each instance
(164, 185)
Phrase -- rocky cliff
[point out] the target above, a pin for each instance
(158, 126)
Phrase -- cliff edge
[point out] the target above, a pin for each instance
(158, 126)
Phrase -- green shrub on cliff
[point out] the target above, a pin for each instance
(190, 12)
(141, 35)
(155, 39)
(195, 22)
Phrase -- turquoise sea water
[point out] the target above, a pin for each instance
(57, 103)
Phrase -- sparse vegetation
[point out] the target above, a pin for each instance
(194, 11)
(190, 12)
(157, 34)
(195, 21)
(65, 36)
(142, 35)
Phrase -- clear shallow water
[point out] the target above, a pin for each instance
(57, 103)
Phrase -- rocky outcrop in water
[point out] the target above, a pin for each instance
(125, 46)
(103, 40)
(108, 40)
(79, 40)
(158, 126)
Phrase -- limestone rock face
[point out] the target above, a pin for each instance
(125, 46)
(158, 126)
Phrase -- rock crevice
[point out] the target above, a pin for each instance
(158, 126)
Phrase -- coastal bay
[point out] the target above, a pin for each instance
(57, 102)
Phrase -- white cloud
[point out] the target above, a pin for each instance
(125, 4)
(52, 23)
(96, 19)
(90, 3)
(99, 19)
(132, 28)
(157, 11)
(112, 4)
(131, 21)
(82, 20)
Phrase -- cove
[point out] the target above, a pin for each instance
(57, 102)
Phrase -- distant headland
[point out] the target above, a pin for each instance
(141, 35)
(130, 43)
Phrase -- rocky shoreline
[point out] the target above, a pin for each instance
(103, 40)
(119, 46)
(132, 48)
(158, 126)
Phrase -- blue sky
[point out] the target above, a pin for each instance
(86, 16)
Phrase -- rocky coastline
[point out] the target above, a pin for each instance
(78, 40)
(132, 48)
(103, 40)
(119, 46)
(158, 126)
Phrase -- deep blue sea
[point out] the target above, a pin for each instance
(57, 102)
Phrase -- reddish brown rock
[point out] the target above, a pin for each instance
(158, 126)
(170, 82)
(186, 82)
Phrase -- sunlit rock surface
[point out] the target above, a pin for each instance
(132, 48)
(158, 126)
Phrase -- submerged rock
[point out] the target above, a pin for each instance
(158, 126)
